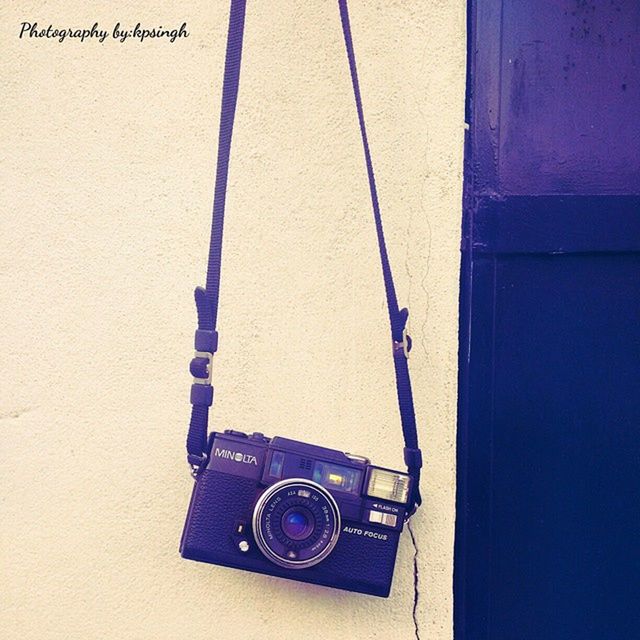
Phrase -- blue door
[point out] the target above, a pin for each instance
(548, 525)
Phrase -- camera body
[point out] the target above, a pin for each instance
(294, 510)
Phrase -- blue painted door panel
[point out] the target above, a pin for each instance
(548, 523)
(566, 447)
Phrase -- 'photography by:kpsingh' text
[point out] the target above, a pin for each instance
(30, 30)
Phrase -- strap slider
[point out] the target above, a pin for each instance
(206, 340)
(201, 368)
(413, 458)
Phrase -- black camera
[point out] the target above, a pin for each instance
(298, 511)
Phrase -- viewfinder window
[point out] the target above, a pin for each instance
(277, 461)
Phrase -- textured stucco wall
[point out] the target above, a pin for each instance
(107, 171)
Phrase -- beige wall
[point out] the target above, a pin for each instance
(107, 171)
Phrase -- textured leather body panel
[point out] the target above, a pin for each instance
(220, 501)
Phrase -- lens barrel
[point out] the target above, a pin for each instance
(296, 523)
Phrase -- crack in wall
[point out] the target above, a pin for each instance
(416, 591)
(422, 282)
(425, 273)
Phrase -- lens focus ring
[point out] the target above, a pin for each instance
(296, 523)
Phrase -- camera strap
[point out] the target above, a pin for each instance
(206, 336)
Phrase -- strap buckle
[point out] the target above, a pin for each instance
(197, 368)
(403, 347)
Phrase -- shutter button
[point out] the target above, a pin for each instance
(233, 432)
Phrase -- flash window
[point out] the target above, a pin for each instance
(388, 485)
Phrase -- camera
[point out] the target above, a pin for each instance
(295, 510)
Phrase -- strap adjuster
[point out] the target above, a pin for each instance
(198, 367)
(403, 347)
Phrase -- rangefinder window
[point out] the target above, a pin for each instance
(337, 477)
(277, 461)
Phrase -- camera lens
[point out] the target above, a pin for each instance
(296, 523)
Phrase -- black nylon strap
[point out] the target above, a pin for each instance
(207, 299)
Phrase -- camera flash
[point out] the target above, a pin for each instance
(388, 485)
